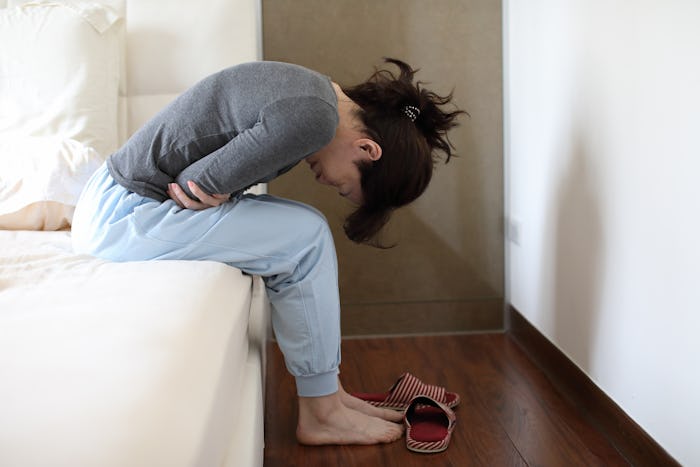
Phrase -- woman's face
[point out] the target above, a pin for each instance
(336, 165)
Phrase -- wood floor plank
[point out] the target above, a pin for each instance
(599, 410)
(509, 414)
(553, 402)
(528, 427)
(545, 430)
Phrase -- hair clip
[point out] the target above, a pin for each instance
(411, 112)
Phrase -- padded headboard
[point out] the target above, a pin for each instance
(172, 44)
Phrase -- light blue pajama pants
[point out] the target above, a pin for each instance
(289, 244)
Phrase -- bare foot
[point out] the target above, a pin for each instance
(367, 408)
(326, 420)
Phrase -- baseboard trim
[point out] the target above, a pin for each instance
(631, 441)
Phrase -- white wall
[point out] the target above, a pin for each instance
(602, 147)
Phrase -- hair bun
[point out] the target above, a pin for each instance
(407, 122)
(420, 105)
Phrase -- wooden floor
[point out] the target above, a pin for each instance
(510, 414)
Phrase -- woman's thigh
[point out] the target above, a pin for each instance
(260, 234)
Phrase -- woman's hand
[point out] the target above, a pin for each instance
(178, 195)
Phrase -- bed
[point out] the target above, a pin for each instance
(155, 363)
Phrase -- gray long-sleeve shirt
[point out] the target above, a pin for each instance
(243, 125)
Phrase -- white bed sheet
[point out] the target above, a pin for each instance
(117, 364)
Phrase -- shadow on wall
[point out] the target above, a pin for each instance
(578, 248)
(422, 267)
(423, 285)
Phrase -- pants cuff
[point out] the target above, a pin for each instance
(317, 385)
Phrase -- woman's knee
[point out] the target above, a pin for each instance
(302, 222)
(305, 236)
(311, 223)
(312, 235)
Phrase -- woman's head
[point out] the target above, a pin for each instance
(406, 121)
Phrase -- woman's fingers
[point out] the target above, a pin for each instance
(206, 200)
(180, 197)
(173, 196)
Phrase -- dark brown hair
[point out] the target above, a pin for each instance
(408, 147)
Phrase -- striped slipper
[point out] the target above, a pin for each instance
(404, 390)
(429, 425)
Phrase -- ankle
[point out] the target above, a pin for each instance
(319, 408)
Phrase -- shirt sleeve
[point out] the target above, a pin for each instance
(286, 131)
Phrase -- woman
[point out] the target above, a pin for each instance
(175, 191)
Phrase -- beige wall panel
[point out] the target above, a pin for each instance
(449, 242)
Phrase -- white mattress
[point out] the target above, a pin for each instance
(116, 364)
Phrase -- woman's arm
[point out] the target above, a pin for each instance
(288, 130)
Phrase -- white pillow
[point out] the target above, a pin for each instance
(118, 29)
(60, 69)
(118, 6)
(60, 73)
(41, 179)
